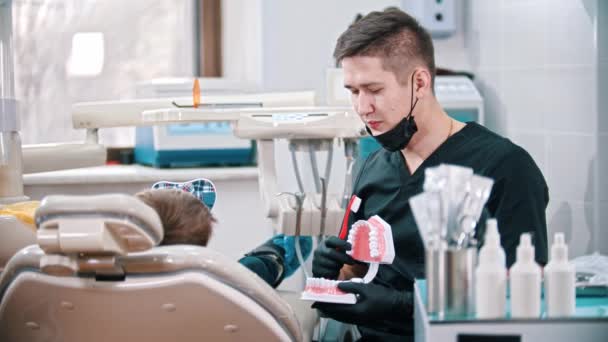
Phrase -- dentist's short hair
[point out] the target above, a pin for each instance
(393, 35)
(186, 220)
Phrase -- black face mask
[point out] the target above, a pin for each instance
(399, 136)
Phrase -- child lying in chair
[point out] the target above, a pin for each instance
(186, 220)
(184, 210)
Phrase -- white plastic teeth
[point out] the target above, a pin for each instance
(374, 232)
(352, 233)
(321, 283)
(374, 252)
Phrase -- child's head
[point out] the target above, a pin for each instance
(186, 220)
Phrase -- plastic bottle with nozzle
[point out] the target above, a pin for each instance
(560, 290)
(525, 281)
(491, 276)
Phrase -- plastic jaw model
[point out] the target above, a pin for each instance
(325, 290)
(372, 241)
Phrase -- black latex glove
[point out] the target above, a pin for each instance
(374, 303)
(329, 258)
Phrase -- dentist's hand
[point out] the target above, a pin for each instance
(329, 258)
(375, 303)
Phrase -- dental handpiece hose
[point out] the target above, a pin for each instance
(300, 202)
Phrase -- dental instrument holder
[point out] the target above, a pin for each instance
(452, 202)
(435, 267)
(350, 153)
(300, 126)
(450, 276)
(323, 206)
(320, 213)
(460, 281)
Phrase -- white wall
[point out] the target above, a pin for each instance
(241, 41)
(299, 37)
(536, 66)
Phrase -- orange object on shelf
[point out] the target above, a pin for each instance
(196, 93)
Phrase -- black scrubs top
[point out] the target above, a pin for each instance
(518, 201)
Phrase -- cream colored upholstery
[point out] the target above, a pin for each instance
(169, 293)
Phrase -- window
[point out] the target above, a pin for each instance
(69, 51)
(92, 50)
(86, 55)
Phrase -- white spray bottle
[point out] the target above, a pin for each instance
(560, 291)
(491, 276)
(525, 281)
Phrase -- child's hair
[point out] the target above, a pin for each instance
(186, 220)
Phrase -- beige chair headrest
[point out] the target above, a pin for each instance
(109, 224)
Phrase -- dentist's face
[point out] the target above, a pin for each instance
(377, 96)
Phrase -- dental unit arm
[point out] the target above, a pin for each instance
(264, 118)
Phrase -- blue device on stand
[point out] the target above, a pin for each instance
(191, 145)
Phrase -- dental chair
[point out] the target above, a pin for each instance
(96, 275)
